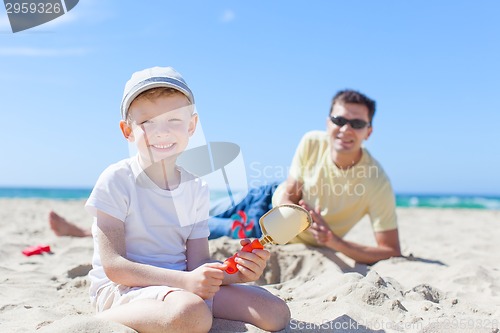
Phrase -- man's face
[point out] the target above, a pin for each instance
(343, 137)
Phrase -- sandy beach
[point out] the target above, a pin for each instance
(448, 281)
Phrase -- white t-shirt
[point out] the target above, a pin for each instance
(157, 222)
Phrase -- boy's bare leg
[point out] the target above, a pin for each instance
(62, 227)
(181, 311)
(251, 304)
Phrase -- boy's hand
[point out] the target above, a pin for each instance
(205, 280)
(251, 264)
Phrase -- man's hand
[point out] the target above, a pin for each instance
(320, 229)
(387, 241)
(205, 280)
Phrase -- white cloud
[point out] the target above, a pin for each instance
(228, 16)
(39, 52)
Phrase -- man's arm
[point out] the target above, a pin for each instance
(293, 192)
(387, 247)
(387, 242)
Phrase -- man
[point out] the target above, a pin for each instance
(339, 182)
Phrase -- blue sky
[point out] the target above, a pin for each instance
(263, 73)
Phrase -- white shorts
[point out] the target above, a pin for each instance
(114, 294)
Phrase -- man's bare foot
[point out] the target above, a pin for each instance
(62, 227)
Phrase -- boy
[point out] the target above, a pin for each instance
(151, 266)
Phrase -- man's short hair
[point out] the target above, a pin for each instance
(355, 97)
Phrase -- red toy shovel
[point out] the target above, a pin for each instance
(279, 226)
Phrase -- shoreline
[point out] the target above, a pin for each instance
(403, 200)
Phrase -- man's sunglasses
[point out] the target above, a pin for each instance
(355, 123)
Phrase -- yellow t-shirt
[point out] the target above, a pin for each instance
(344, 196)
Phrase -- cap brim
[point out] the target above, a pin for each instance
(150, 84)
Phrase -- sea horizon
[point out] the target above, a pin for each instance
(403, 199)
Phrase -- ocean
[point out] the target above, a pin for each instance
(402, 200)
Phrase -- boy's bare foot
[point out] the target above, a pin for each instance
(62, 227)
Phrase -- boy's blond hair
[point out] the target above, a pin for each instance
(155, 93)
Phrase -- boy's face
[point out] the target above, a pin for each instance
(160, 128)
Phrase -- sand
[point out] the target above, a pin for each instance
(448, 281)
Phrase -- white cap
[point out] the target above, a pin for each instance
(150, 78)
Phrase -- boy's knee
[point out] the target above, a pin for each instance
(194, 314)
(280, 316)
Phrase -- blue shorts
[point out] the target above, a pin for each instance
(233, 223)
